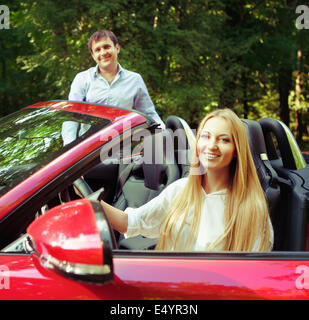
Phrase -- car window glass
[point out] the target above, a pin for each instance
(31, 138)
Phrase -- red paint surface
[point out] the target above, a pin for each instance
(161, 278)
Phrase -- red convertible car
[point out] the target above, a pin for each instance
(58, 158)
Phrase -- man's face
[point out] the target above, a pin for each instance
(105, 54)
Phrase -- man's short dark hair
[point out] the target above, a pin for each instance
(98, 35)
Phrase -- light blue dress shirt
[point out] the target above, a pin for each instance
(127, 90)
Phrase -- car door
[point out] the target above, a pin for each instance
(155, 275)
(215, 276)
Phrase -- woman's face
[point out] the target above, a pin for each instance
(216, 147)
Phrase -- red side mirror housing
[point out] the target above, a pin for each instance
(76, 239)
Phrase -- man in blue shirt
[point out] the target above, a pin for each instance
(110, 84)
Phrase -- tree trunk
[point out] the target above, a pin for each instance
(245, 95)
(298, 96)
(4, 97)
(284, 83)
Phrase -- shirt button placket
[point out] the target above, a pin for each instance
(108, 96)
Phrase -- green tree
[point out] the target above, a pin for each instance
(194, 55)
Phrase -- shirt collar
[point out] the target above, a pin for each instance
(216, 193)
(96, 70)
(120, 69)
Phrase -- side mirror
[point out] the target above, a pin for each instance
(76, 240)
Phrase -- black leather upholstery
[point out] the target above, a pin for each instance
(167, 160)
(287, 159)
(267, 175)
(181, 144)
(149, 178)
(146, 180)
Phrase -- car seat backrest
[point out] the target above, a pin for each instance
(267, 175)
(147, 178)
(290, 153)
(184, 142)
(293, 171)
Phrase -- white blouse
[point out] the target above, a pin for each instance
(147, 219)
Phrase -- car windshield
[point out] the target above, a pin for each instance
(32, 137)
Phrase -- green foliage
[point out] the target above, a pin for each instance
(194, 55)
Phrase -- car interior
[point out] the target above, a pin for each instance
(132, 181)
(285, 182)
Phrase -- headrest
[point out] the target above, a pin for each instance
(256, 139)
(158, 158)
(267, 175)
(173, 123)
(291, 155)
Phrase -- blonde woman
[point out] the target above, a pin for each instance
(220, 206)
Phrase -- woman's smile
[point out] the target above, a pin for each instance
(211, 156)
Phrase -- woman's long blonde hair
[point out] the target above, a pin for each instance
(246, 211)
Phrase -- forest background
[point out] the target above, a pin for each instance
(194, 55)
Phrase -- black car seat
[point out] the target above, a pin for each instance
(293, 172)
(142, 181)
(267, 175)
(184, 142)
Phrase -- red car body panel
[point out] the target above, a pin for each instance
(113, 114)
(123, 120)
(162, 278)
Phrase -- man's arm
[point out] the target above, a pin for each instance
(78, 89)
(144, 103)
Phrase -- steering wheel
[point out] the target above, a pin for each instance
(83, 189)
